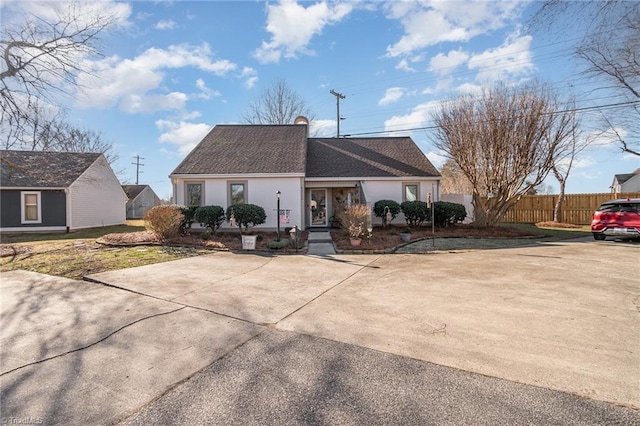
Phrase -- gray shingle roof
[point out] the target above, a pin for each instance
(40, 169)
(367, 157)
(243, 149)
(133, 191)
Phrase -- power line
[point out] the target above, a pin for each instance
(582, 109)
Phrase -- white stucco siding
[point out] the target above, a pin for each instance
(377, 190)
(259, 190)
(96, 198)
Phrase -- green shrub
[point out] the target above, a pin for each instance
(206, 235)
(446, 213)
(382, 207)
(415, 212)
(210, 216)
(246, 215)
(188, 217)
(277, 245)
(164, 221)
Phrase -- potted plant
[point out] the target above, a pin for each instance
(354, 219)
(405, 235)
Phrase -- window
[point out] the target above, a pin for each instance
(410, 192)
(237, 193)
(31, 211)
(194, 194)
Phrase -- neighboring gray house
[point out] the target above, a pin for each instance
(140, 199)
(627, 182)
(56, 191)
(315, 176)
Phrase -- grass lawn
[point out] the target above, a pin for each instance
(552, 233)
(76, 254)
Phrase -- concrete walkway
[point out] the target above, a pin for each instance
(320, 244)
(226, 338)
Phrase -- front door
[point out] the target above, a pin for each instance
(318, 207)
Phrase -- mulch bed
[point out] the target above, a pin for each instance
(385, 238)
(220, 241)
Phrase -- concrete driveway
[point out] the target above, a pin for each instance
(243, 338)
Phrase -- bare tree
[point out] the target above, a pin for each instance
(505, 143)
(278, 104)
(564, 161)
(609, 49)
(453, 179)
(40, 60)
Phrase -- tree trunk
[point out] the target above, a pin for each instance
(557, 211)
(480, 217)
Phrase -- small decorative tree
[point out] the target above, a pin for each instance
(354, 219)
(210, 216)
(387, 210)
(246, 215)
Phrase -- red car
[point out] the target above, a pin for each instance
(617, 218)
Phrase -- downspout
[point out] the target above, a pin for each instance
(69, 216)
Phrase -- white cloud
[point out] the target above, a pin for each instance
(165, 25)
(437, 158)
(134, 104)
(292, 26)
(511, 59)
(184, 135)
(392, 94)
(445, 64)
(205, 92)
(84, 12)
(114, 80)
(469, 89)
(250, 77)
(403, 65)
(418, 117)
(429, 23)
(322, 128)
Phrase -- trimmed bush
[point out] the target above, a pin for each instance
(277, 245)
(415, 212)
(446, 213)
(246, 215)
(189, 217)
(164, 221)
(380, 210)
(210, 216)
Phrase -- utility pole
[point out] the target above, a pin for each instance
(338, 97)
(138, 164)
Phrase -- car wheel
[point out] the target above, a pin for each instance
(598, 236)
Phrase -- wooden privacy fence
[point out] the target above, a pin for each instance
(577, 208)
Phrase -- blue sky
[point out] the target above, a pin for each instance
(172, 70)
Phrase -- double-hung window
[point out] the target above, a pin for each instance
(238, 192)
(410, 192)
(194, 194)
(31, 208)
